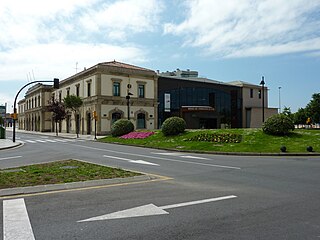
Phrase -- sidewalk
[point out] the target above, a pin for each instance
(8, 143)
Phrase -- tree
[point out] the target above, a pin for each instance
(58, 110)
(287, 111)
(74, 103)
(300, 117)
(313, 108)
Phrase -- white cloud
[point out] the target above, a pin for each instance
(123, 17)
(49, 37)
(48, 61)
(27, 22)
(237, 28)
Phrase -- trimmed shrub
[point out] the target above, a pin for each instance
(173, 126)
(121, 127)
(279, 124)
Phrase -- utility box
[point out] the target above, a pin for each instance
(2, 133)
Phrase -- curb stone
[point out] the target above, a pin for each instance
(73, 185)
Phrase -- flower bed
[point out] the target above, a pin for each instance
(135, 135)
(217, 138)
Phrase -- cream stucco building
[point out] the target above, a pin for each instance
(252, 104)
(113, 90)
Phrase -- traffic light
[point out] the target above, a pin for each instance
(95, 116)
(56, 83)
(14, 116)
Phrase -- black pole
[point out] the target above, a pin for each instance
(128, 106)
(15, 109)
(262, 91)
(95, 128)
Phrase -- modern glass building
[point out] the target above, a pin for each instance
(201, 102)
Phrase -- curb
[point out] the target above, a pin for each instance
(74, 185)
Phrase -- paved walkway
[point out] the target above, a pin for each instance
(8, 143)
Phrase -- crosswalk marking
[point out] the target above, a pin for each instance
(50, 140)
(16, 222)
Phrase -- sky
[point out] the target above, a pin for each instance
(226, 40)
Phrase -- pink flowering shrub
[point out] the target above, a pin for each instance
(140, 135)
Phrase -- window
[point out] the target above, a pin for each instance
(89, 89)
(259, 94)
(116, 89)
(68, 91)
(251, 93)
(141, 90)
(141, 121)
(60, 96)
(212, 100)
(78, 90)
(115, 116)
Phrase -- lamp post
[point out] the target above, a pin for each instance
(55, 85)
(279, 100)
(262, 83)
(128, 104)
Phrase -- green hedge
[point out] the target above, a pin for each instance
(121, 127)
(173, 126)
(279, 124)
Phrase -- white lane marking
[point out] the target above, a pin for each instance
(151, 210)
(30, 141)
(60, 140)
(167, 153)
(165, 159)
(132, 161)
(194, 157)
(49, 140)
(42, 141)
(16, 223)
(10, 157)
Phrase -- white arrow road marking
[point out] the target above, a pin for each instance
(16, 223)
(132, 161)
(151, 210)
(10, 157)
(144, 162)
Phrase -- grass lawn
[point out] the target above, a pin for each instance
(252, 140)
(58, 172)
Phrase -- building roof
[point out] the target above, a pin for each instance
(198, 79)
(243, 84)
(114, 63)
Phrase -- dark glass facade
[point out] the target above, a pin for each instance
(203, 104)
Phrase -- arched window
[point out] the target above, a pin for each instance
(141, 120)
(115, 116)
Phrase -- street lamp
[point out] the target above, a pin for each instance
(55, 85)
(128, 103)
(279, 100)
(262, 83)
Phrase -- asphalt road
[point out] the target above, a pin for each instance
(264, 197)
